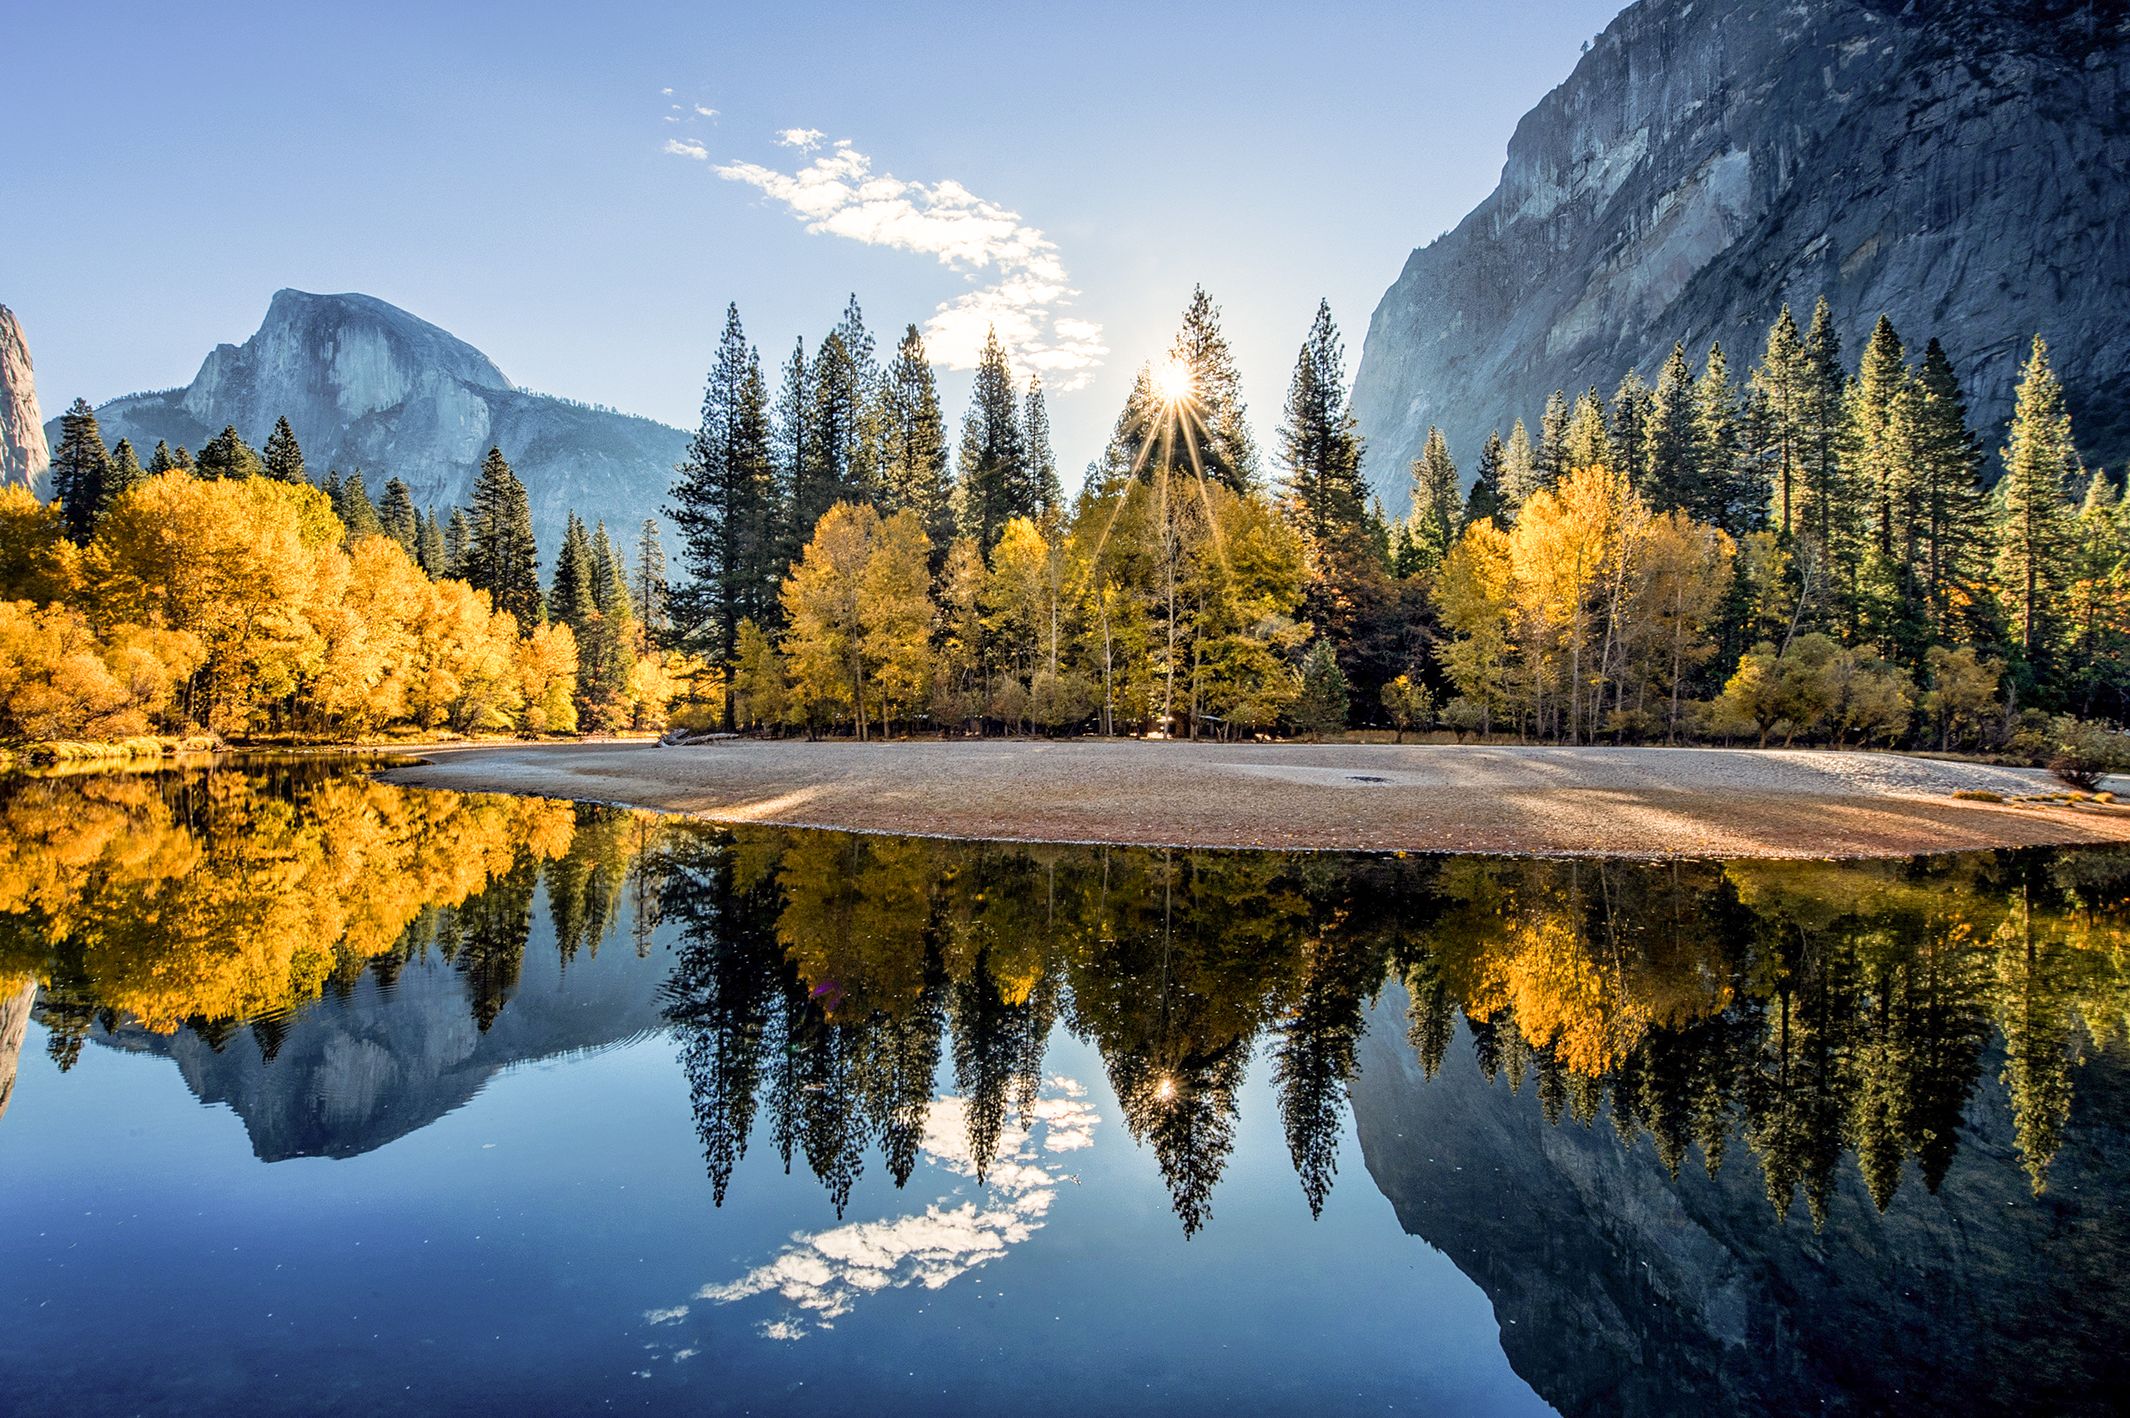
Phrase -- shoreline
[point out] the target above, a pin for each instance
(1645, 803)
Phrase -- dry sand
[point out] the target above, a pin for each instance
(1630, 802)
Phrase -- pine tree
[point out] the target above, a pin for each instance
(1952, 510)
(570, 597)
(1044, 486)
(994, 452)
(398, 516)
(793, 425)
(351, 500)
(1214, 417)
(1519, 470)
(502, 558)
(1588, 442)
(229, 456)
(1551, 459)
(1832, 509)
(867, 450)
(431, 550)
(81, 471)
(1870, 448)
(162, 460)
(1668, 438)
(284, 459)
(1630, 422)
(914, 445)
(1483, 502)
(2034, 527)
(1432, 527)
(649, 584)
(724, 493)
(1782, 390)
(458, 544)
(1724, 502)
(1325, 697)
(610, 577)
(1320, 446)
(126, 472)
(838, 471)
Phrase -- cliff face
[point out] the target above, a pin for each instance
(1955, 164)
(24, 453)
(1622, 1291)
(367, 386)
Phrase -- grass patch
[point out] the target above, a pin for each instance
(1978, 795)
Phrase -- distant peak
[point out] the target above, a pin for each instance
(314, 314)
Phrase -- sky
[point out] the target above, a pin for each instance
(579, 190)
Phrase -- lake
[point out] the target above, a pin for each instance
(326, 1096)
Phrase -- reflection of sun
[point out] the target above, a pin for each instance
(1174, 382)
(1166, 1089)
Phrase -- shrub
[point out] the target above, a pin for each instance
(2084, 752)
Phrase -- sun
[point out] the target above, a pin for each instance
(1173, 382)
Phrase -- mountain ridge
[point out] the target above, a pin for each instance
(1707, 162)
(369, 386)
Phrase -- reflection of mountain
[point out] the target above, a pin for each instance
(15, 1004)
(351, 1073)
(1621, 1291)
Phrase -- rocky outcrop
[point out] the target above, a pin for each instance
(1955, 165)
(1620, 1290)
(17, 997)
(24, 452)
(367, 386)
(356, 1071)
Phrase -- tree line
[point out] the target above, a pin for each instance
(1808, 552)
(231, 591)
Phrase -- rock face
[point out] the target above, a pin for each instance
(367, 386)
(24, 453)
(1954, 164)
(1622, 1291)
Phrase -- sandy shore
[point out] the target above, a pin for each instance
(1647, 802)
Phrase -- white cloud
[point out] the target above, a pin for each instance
(687, 148)
(1021, 288)
(704, 111)
(821, 1276)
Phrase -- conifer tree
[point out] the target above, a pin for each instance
(994, 452)
(126, 472)
(397, 514)
(1588, 442)
(161, 460)
(2034, 527)
(648, 585)
(838, 470)
(724, 492)
(1320, 446)
(1723, 502)
(1782, 388)
(351, 500)
(1551, 459)
(228, 456)
(610, 576)
(1483, 502)
(1870, 446)
(868, 430)
(284, 459)
(431, 550)
(81, 471)
(502, 558)
(1432, 527)
(1831, 508)
(914, 445)
(570, 598)
(1952, 529)
(1519, 470)
(1668, 438)
(1218, 425)
(1045, 488)
(793, 424)
(458, 544)
(1630, 422)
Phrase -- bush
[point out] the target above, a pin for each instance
(2083, 752)
(1321, 706)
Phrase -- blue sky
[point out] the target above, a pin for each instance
(521, 176)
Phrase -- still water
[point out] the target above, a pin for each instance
(325, 1096)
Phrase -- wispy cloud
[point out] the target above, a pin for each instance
(1021, 288)
(705, 111)
(687, 148)
(821, 1276)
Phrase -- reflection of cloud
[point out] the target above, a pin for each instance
(822, 1275)
(837, 193)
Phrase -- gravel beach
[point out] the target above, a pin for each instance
(1622, 802)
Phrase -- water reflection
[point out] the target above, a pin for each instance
(1890, 1061)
